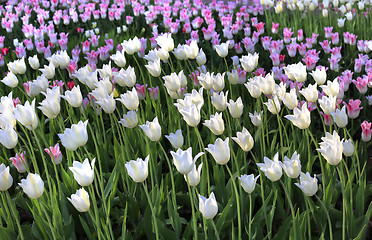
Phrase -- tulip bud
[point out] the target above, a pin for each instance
(130, 99)
(80, 200)
(308, 185)
(48, 71)
(6, 180)
(208, 207)
(272, 169)
(165, 41)
(119, 58)
(273, 105)
(50, 106)
(176, 139)
(107, 103)
(249, 63)
(244, 139)
(193, 177)
(154, 68)
(33, 185)
(310, 93)
(8, 137)
(256, 118)
(75, 137)
(83, 172)
(172, 82)
(129, 120)
(201, 59)
(191, 115)
(222, 49)
(235, 108)
(219, 100)
(340, 117)
(292, 167)
(192, 52)
(248, 182)
(10, 80)
(220, 151)
(152, 129)
(215, 124)
(183, 160)
(290, 99)
(19, 162)
(26, 114)
(55, 154)
(138, 170)
(348, 148)
(331, 148)
(328, 104)
(300, 118)
(73, 96)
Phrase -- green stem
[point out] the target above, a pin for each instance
(192, 210)
(329, 219)
(237, 203)
(152, 210)
(215, 230)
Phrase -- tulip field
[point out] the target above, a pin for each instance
(186, 119)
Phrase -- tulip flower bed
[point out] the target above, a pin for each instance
(183, 119)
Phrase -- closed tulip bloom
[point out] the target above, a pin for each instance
(138, 169)
(125, 78)
(292, 167)
(348, 148)
(248, 182)
(119, 58)
(63, 59)
(10, 80)
(244, 139)
(176, 139)
(7, 117)
(183, 160)
(219, 100)
(235, 108)
(319, 75)
(280, 89)
(253, 88)
(80, 200)
(48, 70)
(267, 84)
(332, 88)
(26, 115)
(152, 129)
(180, 52)
(193, 177)
(191, 115)
(273, 105)
(215, 124)
(310, 93)
(172, 82)
(132, 46)
(8, 137)
(18, 66)
(328, 104)
(107, 103)
(54, 153)
(290, 99)
(220, 151)
(83, 172)
(300, 72)
(208, 207)
(73, 96)
(340, 117)
(19, 162)
(206, 80)
(130, 99)
(33, 185)
(50, 106)
(75, 137)
(272, 169)
(162, 53)
(222, 49)
(331, 148)
(249, 63)
(300, 118)
(192, 52)
(129, 120)
(256, 118)
(201, 59)
(218, 82)
(166, 41)
(6, 180)
(154, 68)
(308, 185)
